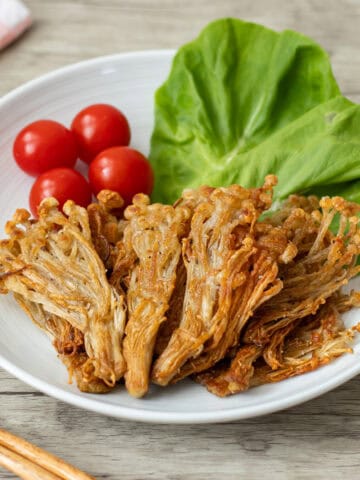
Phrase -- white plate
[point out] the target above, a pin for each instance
(128, 81)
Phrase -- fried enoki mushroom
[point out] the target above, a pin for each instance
(155, 232)
(300, 347)
(322, 263)
(68, 342)
(217, 256)
(105, 226)
(173, 315)
(52, 262)
(325, 262)
(234, 378)
(262, 283)
(207, 288)
(316, 341)
(190, 199)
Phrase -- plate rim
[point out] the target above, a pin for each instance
(157, 417)
(138, 414)
(64, 70)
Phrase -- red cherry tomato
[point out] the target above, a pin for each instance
(63, 184)
(43, 145)
(98, 127)
(123, 170)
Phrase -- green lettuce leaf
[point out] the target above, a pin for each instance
(242, 101)
(348, 190)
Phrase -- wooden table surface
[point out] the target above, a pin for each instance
(317, 440)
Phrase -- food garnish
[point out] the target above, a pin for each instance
(43, 145)
(98, 127)
(243, 101)
(99, 135)
(61, 183)
(123, 170)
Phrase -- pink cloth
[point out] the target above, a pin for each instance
(15, 18)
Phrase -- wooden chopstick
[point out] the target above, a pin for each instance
(17, 453)
(22, 467)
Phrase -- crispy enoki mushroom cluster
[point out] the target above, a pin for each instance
(300, 328)
(206, 288)
(52, 267)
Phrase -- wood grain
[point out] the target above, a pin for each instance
(317, 440)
